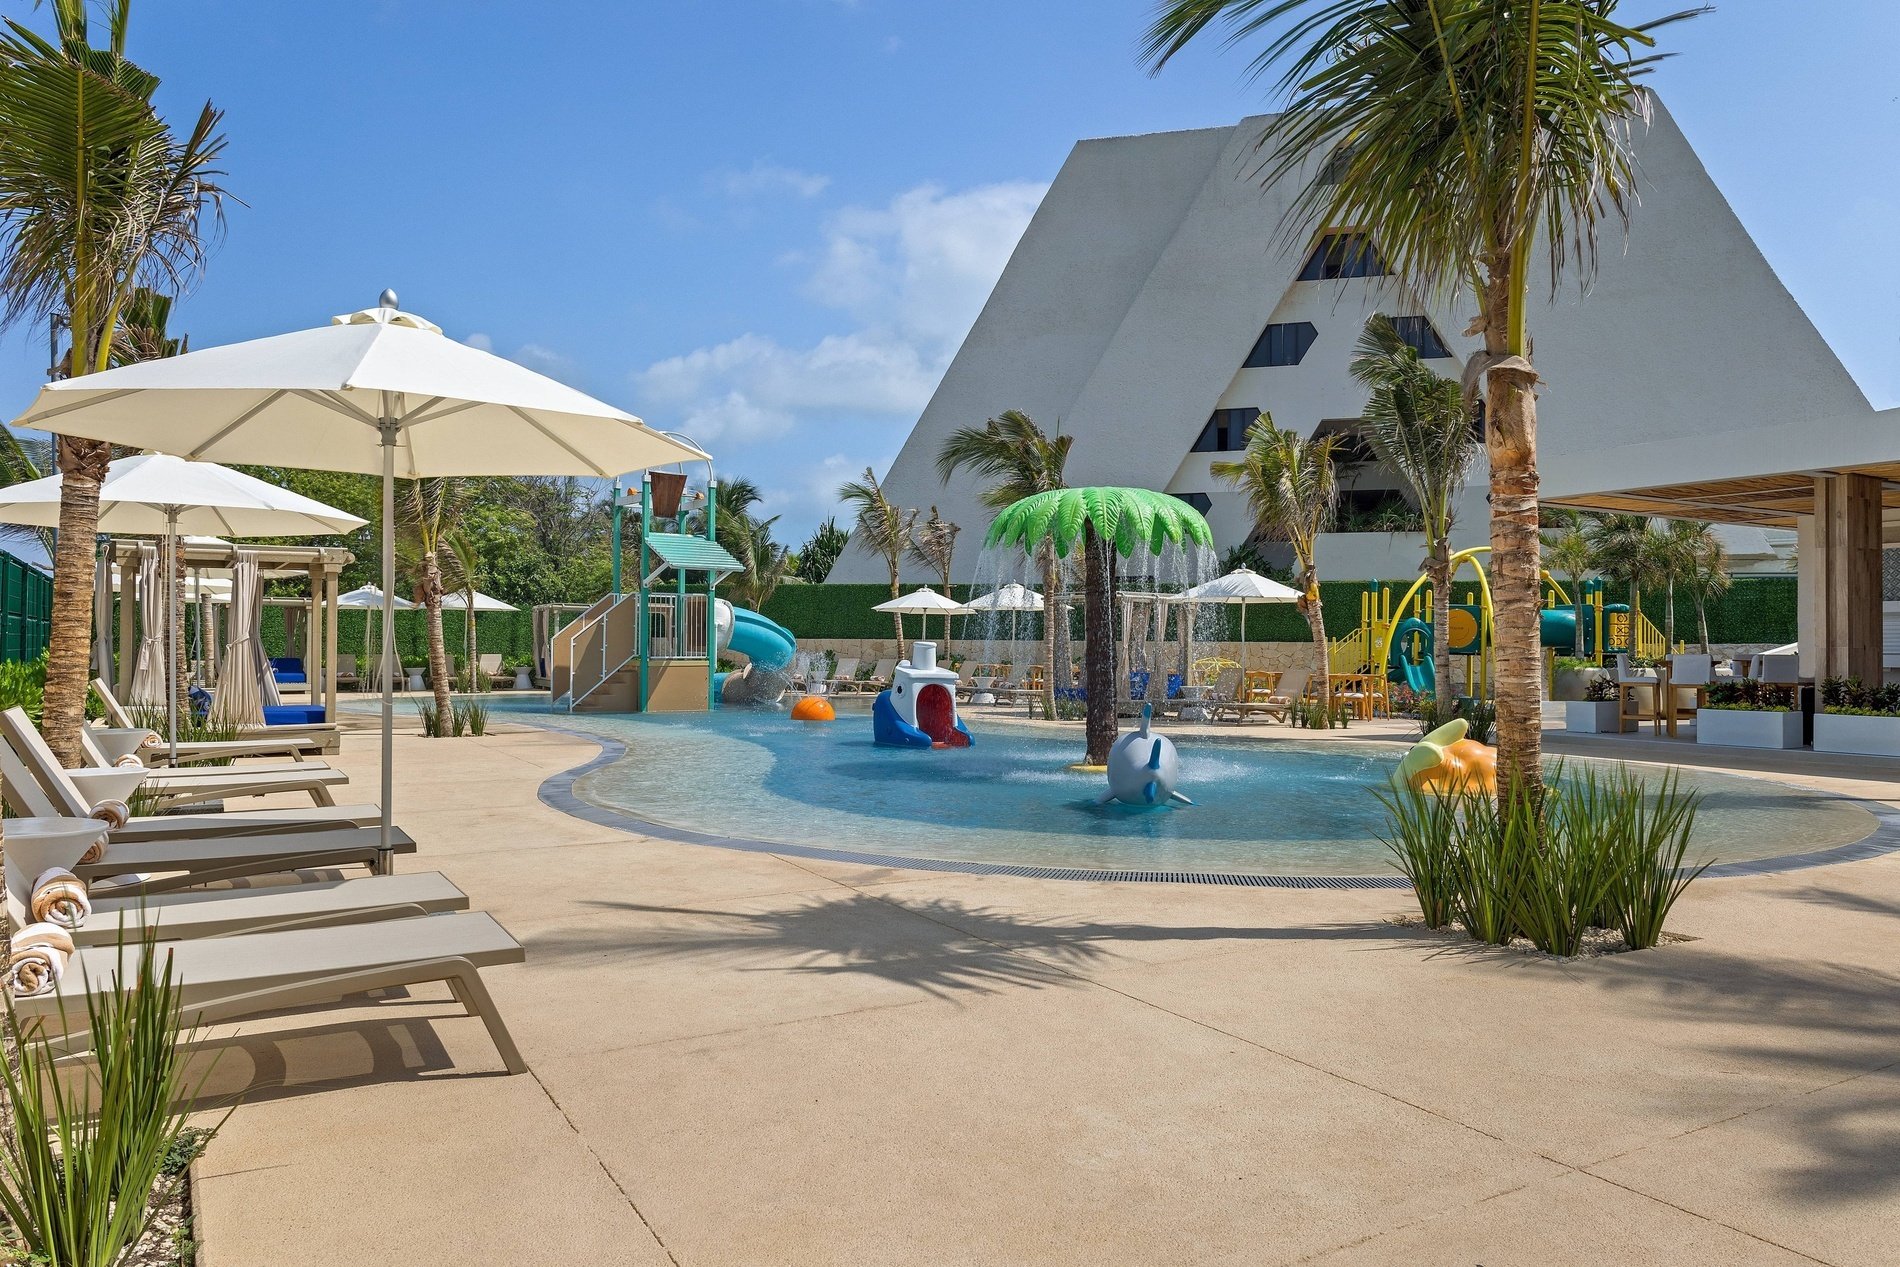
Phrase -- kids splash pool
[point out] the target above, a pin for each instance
(1262, 809)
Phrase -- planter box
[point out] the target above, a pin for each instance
(1592, 717)
(1738, 728)
(1871, 736)
(1573, 685)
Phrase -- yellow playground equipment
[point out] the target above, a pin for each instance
(1395, 636)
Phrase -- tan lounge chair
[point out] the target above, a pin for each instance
(292, 744)
(272, 908)
(1225, 701)
(224, 978)
(34, 784)
(845, 679)
(187, 784)
(160, 866)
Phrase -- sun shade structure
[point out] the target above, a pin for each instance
(925, 603)
(457, 600)
(685, 552)
(380, 391)
(1013, 597)
(160, 495)
(1243, 586)
(370, 596)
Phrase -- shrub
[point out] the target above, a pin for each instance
(1847, 696)
(1481, 716)
(85, 1160)
(1750, 695)
(1595, 852)
(1600, 691)
(472, 716)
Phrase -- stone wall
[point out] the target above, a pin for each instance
(1259, 655)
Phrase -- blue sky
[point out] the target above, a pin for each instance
(771, 221)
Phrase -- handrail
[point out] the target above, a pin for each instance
(611, 659)
(561, 647)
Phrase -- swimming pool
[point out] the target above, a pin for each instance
(1280, 808)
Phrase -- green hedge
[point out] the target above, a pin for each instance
(506, 633)
(1760, 609)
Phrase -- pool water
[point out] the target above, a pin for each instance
(1281, 808)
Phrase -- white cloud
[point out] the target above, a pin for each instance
(763, 179)
(911, 277)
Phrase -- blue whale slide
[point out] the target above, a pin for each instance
(770, 647)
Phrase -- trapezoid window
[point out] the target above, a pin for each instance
(1226, 431)
(1283, 343)
(1418, 332)
(1200, 501)
(1343, 255)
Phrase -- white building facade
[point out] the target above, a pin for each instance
(1160, 299)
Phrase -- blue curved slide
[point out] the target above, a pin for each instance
(761, 639)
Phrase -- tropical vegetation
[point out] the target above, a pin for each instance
(883, 529)
(1467, 137)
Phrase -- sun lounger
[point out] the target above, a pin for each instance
(846, 677)
(35, 785)
(273, 908)
(163, 865)
(880, 678)
(292, 744)
(225, 978)
(159, 777)
(1225, 699)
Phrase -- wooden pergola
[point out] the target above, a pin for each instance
(320, 567)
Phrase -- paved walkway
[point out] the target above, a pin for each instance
(739, 1058)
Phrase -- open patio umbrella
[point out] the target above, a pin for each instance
(458, 601)
(160, 495)
(1012, 597)
(379, 392)
(1243, 586)
(370, 598)
(925, 603)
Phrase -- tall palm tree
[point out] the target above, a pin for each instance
(431, 509)
(98, 196)
(1468, 134)
(1292, 489)
(1707, 576)
(1678, 553)
(1020, 460)
(883, 527)
(1417, 422)
(1628, 548)
(1567, 549)
(934, 545)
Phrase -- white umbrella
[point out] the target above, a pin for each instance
(1012, 597)
(158, 494)
(371, 598)
(379, 391)
(458, 601)
(925, 603)
(1243, 586)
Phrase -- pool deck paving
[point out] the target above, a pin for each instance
(744, 1058)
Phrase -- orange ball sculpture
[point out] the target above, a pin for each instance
(814, 708)
(1446, 763)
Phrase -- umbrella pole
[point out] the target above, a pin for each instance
(171, 631)
(389, 431)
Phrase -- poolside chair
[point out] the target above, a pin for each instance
(290, 744)
(1633, 688)
(184, 786)
(272, 908)
(844, 679)
(1691, 674)
(34, 784)
(225, 978)
(488, 664)
(880, 677)
(1783, 670)
(347, 677)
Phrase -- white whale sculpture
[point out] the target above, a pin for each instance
(1143, 768)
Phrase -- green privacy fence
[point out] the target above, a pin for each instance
(497, 633)
(26, 609)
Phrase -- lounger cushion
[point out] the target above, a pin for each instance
(293, 714)
(222, 912)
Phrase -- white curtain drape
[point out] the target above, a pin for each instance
(267, 695)
(148, 673)
(104, 615)
(239, 699)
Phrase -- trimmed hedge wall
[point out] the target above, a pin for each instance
(506, 633)
(1756, 609)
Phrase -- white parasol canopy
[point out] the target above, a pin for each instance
(1243, 586)
(370, 596)
(379, 391)
(457, 600)
(925, 603)
(1013, 597)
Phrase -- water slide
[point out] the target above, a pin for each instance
(768, 645)
(1416, 676)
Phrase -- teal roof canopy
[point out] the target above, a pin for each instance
(686, 553)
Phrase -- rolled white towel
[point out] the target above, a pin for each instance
(152, 739)
(60, 897)
(130, 761)
(40, 952)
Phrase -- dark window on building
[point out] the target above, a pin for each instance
(1336, 164)
(1200, 501)
(1343, 255)
(1418, 332)
(1226, 431)
(1282, 344)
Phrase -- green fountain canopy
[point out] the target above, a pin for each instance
(1131, 518)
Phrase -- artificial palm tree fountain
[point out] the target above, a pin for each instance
(1152, 534)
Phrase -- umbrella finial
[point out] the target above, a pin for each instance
(387, 299)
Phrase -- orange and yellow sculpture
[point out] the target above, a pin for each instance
(1445, 762)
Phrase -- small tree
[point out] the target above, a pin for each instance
(934, 545)
(821, 550)
(431, 510)
(1292, 489)
(883, 528)
(1707, 577)
(1628, 548)
(1567, 551)
(1417, 422)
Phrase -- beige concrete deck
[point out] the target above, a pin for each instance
(739, 1058)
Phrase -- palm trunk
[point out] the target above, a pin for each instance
(1099, 627)
(1576, 608)
(1702, 622)
(1511, 443)
(1438, 568)
(438, 648)
(181, 657)
(1314, 610)
(1054, 650)
(82, 463)
(1669, 619)
(897, 620)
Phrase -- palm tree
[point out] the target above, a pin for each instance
(1708, 575)
(1020, 460)
(1417, 422)
(883, 528)
(1292, 488)
(431, 509)
(821, 550)
(1464, 131)
(1567, 549)
(1678, 552)
(98, 196)
(934, 546)
(1628, 548)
